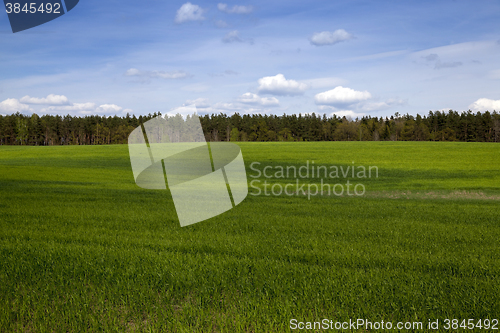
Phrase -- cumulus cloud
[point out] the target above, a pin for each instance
(157, 74)
(485, 104)
(342, 96)
(250, 98)
(49, 100)
(279, 85)
(109, 108)
(342, 101)
(12, 105)
(189, 12)
(330, 37)
(235, 9)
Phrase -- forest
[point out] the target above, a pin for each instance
(34, 130)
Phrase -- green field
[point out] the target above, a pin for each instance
(82, 248)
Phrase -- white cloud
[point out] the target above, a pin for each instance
(269, 101)
(201, 103)
(279, 85)
(49, 100)
(485, 104)
(445, 110)
(330, 38)
(232, 108)
(226, 107)
(189, 12)
(347, 113)
(232, 37)
(12, 105)
(109, 108)
(86, 109)
(133, 72)
(245, 104)
(340, 112)
(341, 95)
(185, 110)
(250, 98)
(235, 9)
(220, 107)
(378, 106)
(75, 107)
(157, 74)
(59, 104)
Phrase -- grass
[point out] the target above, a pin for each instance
(82, 248)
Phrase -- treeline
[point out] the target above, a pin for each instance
(19, 129)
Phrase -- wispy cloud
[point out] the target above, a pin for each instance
(450, 64)
(225, 73)
(157, 74)
(431, 57)
(221, 24)
(235, 9)
(434, 58)
(324, 82)
(233, 36)
(199, 102)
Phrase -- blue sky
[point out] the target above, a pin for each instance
(350, 58)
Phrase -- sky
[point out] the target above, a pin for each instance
(349, 58)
